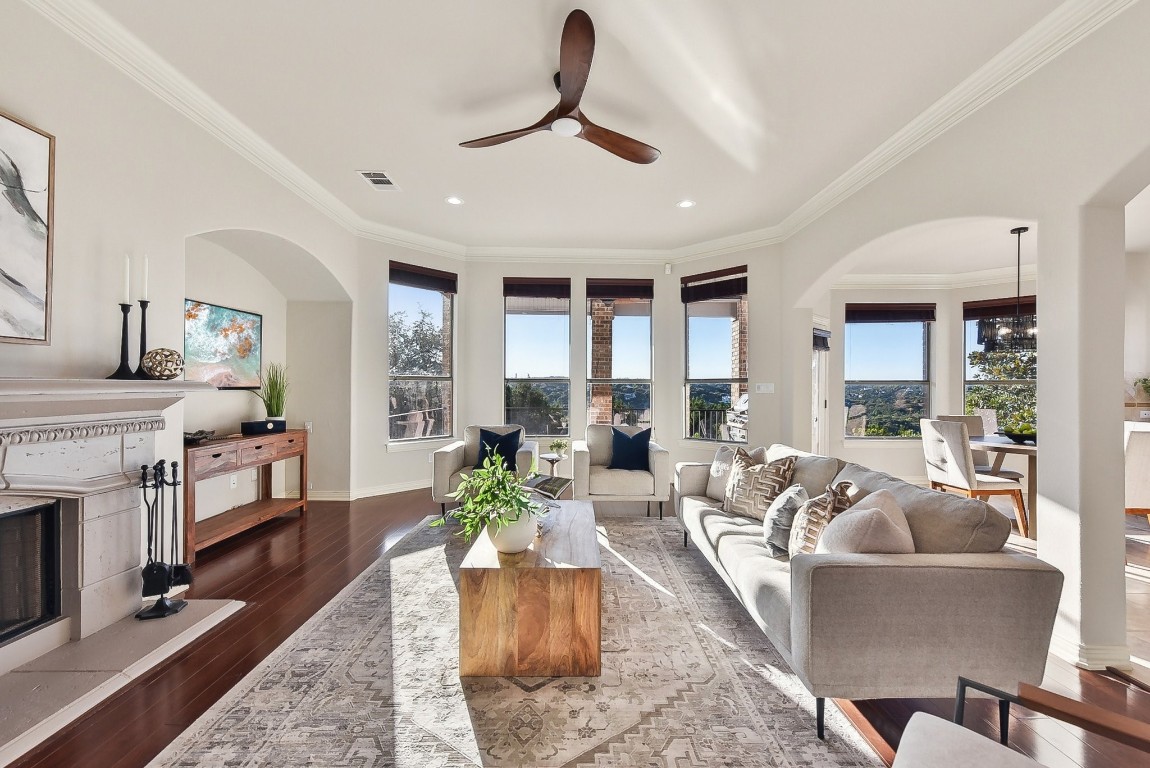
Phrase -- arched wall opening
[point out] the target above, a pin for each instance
(306, 325)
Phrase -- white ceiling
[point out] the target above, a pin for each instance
(756, 106)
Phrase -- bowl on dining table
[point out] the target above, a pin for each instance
(1021, 437)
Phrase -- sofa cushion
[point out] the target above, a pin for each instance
(471, 440)
(812, 472)
(721, 469)
(814, 516)
(752, 487)
(619, 482)
(499, 446)
(941, 523)
(780, 518)
(630, 451)
(762, 582)
(876, 525)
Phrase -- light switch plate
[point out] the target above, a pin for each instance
(1144, 414)
(765, 389)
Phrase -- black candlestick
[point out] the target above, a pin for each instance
(124, 371)
(140, 373)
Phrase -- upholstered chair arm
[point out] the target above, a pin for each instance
(660, 462)
(527, 458)
(859, 623)
(445, 462)
(691, 478)
(581, 459)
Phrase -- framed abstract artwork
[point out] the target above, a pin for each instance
(27, 156)
(222, 346)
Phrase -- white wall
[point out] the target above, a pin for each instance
(218, 276)
(319, 345)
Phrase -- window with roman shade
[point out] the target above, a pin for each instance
(421, 342)
(886, 350)
(716, 314)
(537, 352)
(1000, 380)
(619, 351)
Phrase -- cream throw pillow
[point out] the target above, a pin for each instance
(721, 468)
(752, 487)
(876, 525)
(814, 516)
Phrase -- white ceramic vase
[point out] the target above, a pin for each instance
(513, 537)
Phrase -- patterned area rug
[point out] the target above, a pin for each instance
(372, 680)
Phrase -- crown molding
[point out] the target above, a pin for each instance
(1058, 31)
(996, 276)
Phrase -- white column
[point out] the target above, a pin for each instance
(795, 404)
(1081, 266)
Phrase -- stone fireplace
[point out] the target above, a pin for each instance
(76, 447)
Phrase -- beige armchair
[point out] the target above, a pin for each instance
(594, 481)
(950, 467)
(1138, 468)
(450, 461)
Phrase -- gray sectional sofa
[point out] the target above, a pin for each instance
(859, 626)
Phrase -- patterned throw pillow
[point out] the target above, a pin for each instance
(815, 515)
(721, 468)
(752, 487)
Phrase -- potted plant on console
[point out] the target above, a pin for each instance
(494, 496)
(273, 392)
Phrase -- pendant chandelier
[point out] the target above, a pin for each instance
(1016, 333)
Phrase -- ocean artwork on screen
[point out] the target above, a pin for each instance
(222, 346)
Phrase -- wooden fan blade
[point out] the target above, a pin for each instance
(500, 138)
(575, 52)
(618, 144)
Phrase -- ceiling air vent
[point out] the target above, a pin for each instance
(378, 179)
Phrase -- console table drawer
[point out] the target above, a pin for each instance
(215, 462)
(289, 446)
(260, 453)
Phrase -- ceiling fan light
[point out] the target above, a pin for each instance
(566, 126)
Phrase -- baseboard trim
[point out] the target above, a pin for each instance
(1093, 657)
(380, 490)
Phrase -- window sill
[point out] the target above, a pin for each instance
(418, 444)
(877, 438)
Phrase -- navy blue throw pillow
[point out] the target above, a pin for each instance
(630, 451)
(502, 446)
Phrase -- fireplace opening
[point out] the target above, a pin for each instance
(29, 569)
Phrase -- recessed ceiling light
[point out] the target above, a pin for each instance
(453, 200)
(686, 203)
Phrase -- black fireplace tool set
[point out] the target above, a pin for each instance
(159, 574)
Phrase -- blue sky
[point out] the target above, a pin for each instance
(883, 352)
(538, 346)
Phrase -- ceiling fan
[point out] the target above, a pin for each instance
(566, 119)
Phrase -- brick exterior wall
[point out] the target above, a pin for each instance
(739, 349)
(599, 410)
(447, 332)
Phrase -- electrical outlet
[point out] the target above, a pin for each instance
(234, 480)
(310, 486)
(430, 458)
(307, 426)
(1144, 414)
(255, 475)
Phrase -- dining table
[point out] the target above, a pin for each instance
(1004, 445)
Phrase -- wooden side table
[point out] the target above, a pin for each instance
(222, 457)
(536, 613)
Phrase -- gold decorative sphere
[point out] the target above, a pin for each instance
(163, 364)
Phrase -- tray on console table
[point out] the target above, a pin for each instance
(223, 457)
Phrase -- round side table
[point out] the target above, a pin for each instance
(552, 459)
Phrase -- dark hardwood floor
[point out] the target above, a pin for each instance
(286, 571)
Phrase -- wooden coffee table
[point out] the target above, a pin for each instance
(536, 613)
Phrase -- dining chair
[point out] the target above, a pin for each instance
(950, 467)
(1138, 469)
(983, 464)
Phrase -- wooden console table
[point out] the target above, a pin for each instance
(230, 455)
